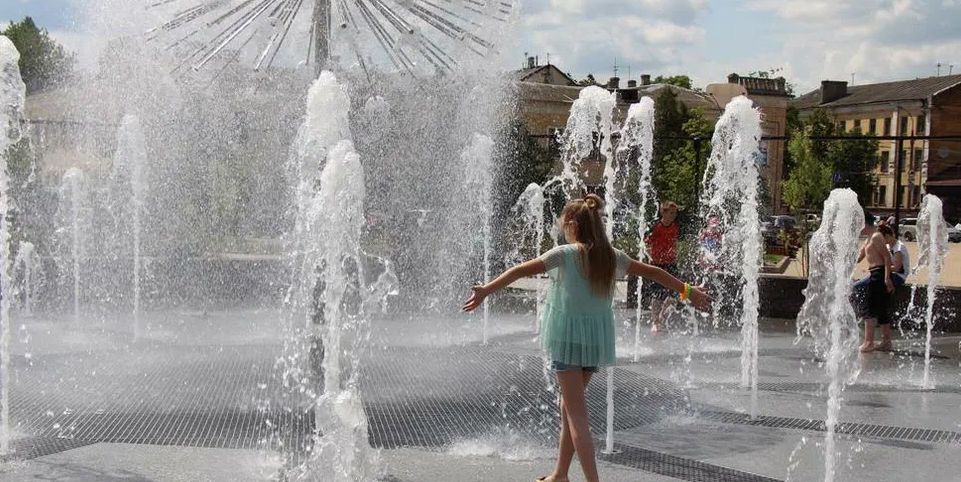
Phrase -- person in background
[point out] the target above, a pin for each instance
(880, 286)
(662, 250)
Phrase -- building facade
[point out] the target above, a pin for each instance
(920, 107)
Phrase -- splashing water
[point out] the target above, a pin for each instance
(932, 248)
(329, 224)
(730, 195)
(26, 260)
(129, 163)
(71, 205)
(478, 181)
(530, 210)
(827, 315)
(637, 133)
(12, 95)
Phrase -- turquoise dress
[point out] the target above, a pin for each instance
(578, 325)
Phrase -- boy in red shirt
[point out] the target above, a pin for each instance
(662, 249)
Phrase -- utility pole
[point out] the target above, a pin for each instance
(899, 160)
(939, 69)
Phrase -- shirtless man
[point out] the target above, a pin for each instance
(879, 287)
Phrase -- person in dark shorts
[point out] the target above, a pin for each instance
(662, 248)
(878, 297)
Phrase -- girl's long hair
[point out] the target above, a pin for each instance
(597, 254)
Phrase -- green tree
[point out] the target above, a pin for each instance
(673, 170)
(587, 81)
(810, 181)
(678, 80)
(773, 74)
(522, 160)
(44, 63)
(793, 123)
(853, 163)
(820, 124)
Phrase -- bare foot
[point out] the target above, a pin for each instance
(884, 346)
(552, 478)
(654, 328)
(867, 347)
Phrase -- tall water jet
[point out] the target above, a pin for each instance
(12, 95)
(827, 315)
(129, 162)
(730, 194)
(932, 248)
(637, 138)
(71, 200)
(26, 260)
(587, 135)
(530, 211)
(477, 183)
(326, 250)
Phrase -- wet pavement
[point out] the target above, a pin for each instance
(90, 403)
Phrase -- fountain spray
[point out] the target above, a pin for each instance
(12, 95)
(478, 182)
(129, 162)
(932, 248)
(827, 314)
(638, 133)
(730, 195)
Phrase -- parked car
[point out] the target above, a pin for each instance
(954, 234)
(772, 226)
(908, 230)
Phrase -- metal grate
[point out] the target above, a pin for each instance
(32, 447)
(678, 467)
(858, 429)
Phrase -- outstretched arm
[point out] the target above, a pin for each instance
(699, 297)
(530, 268)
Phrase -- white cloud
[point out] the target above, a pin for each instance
(586, 36)
(876, 40)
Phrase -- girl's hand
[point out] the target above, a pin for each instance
(700, 299)
(476, 298)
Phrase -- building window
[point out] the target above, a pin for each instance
(884, 160)
(919, 125)
(873, 126)
(882, 196)
(904, 126)
(887, 126)
(918, 159)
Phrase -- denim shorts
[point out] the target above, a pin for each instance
(564, 367)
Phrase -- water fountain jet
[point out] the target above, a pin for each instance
(827, 315)
(129, 163)
(637, 133)
(932, 248)
(12, 96)
(477, 157)
(730, 194)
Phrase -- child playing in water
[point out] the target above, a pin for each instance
(662, 244)
(578, 325)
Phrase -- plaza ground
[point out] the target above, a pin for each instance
(199, 399)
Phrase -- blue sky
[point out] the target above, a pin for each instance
(808, 40)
